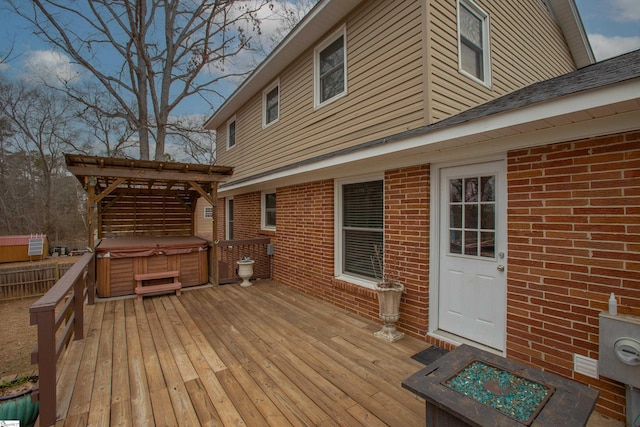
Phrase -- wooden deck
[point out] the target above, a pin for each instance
(226, 355)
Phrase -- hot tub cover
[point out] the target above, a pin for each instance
(127, 247)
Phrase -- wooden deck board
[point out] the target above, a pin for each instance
(81, 398)
(223, 356)
(182, 405)
(100, 408)
(138, 386)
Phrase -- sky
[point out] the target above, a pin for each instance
(612, 26)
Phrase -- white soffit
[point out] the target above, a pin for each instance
(568, 17)
(586, 114)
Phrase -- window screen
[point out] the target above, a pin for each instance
(362, 226)
(332, 70)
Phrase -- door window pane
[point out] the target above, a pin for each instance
(471, 243)
(472, 216)
(488, 217)
(487, 246)
(455, 190)
(471, 190)
(488, 188)
(455, 246)
(456, 216)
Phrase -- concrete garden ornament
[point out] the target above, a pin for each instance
(245, 271)
(389, 294)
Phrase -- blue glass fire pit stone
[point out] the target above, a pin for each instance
(567, 402)
(514, 396)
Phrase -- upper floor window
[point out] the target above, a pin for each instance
(473, 42)
(269, 210)
(208, 212)
(271, 104)
(330, 68)
(360, 229)
(231, 133)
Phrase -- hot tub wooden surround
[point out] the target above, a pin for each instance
(120, 260)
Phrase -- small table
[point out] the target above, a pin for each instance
(568, 403)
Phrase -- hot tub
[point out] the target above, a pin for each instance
(120, 259)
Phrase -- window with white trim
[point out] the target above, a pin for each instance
(229, 218)
(208, 212)
(360, 228)
(473, 42)
(231, 133)
(271, 104)
(269, 210)
(330, 68)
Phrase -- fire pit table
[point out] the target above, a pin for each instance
(472, 387)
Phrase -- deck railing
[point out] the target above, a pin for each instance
(61, 307)
(231, 251)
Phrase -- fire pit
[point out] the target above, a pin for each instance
(471, 387)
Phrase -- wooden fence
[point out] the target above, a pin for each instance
(59, 315)
(231, 251)
(30, 280)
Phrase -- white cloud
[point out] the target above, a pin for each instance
(608, 46)
(276, 20)
(49, 67)
(626, 10)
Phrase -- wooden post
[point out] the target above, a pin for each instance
(78, 305)
(91, 281)
(46, 364)
(214, 246)
(91, 200)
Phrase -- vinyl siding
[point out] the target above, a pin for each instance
(526, 46)
(399, 77)
(385, 95)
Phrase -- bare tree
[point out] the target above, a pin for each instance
(109, 136)
(285, 15)
(196, 144)
(148, 55)
(42, 123)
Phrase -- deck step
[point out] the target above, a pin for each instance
(142, 289)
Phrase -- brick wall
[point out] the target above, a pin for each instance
(573, 233)
(221, 212)
(406, 227)
(574, 237)
(304, 245)
(303, 241)
(246, 216)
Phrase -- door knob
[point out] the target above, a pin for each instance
(501, 268)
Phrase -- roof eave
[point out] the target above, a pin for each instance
(321, 19)
(568, 17)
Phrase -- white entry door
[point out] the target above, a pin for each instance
(473, 257)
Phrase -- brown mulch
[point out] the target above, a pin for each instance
(18, 386)
(18, 338)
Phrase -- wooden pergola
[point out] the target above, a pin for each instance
(132, 198)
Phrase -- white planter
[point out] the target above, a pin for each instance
(245, 271)
(389, 303)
